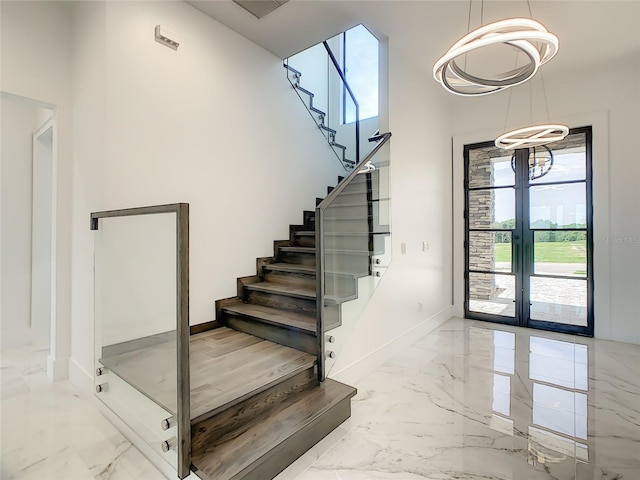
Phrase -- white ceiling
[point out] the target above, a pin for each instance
(590, 31)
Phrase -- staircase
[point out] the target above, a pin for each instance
(279, 409)
(319, 117)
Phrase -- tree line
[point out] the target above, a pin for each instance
(565, 235)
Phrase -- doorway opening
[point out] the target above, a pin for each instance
(27, 229)
(529, 235)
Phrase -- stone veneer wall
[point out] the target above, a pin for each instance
(481, 215)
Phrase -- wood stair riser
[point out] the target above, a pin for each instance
(298, 258)
(347, 210)
(233, 419)
(306, 342)
(309, 218)
(346, 226)
(358, 265)
(301, 240)
(358, 242)
(340, 286)
(292, 279)
(341, 262)
(298, 444)
(357, 198)
(332, 316)
(268, 439)
(285, 302)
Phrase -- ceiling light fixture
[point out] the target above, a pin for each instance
(534, 135)
(524, 34)
(539, 163)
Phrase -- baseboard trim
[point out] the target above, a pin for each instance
(82, 379)
(356, 371)
(57, 368)
(204, 327)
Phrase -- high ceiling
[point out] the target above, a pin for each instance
(590, 31)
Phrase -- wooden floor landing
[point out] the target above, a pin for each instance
(226, 367)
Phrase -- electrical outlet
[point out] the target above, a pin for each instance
(425, 246)
(403, 248)
(420, 306)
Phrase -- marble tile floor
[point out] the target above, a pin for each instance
(48, 431)
(471, 400)
(475, 400)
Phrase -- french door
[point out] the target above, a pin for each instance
(529, 240)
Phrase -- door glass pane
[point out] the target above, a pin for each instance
(559, 300)
(493, 294)
(561, 252)
(490, 251)
(489, 167)
(569, 160)
(492, 208)
(558, 206)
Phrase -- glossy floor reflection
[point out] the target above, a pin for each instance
(474, 400)
(51, 432)
(471, 400)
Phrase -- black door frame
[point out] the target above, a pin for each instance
(523, 242)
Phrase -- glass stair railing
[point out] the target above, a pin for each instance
(353, 250)
(325, 92)
(142, 326)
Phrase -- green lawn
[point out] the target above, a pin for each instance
(548, 252)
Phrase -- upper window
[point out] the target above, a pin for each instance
(360, 64)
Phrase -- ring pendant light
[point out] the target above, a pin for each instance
(533, 136)
(526, 35)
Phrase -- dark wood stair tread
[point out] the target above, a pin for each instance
(269, 442)
(274, 316)
(228, 366)
(294, 249)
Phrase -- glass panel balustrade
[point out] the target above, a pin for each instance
(320, 82)
(141, 325)
(353, 240)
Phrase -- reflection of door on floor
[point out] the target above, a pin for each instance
(528, 220)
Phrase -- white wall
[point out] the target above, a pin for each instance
(36, 56)
(420, 175)
(313, 64)
(18, 124)
(215, 124)
(609, 97)
(135, 277)
(41, 228)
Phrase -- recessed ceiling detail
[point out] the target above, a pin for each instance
(260, 8)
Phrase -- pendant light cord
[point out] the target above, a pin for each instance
(530, 103)
(506, 118)
(544, 92)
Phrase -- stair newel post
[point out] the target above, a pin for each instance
(320, 289)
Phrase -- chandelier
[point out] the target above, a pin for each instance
(539, 163)
(533, 136)
(526, 35)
